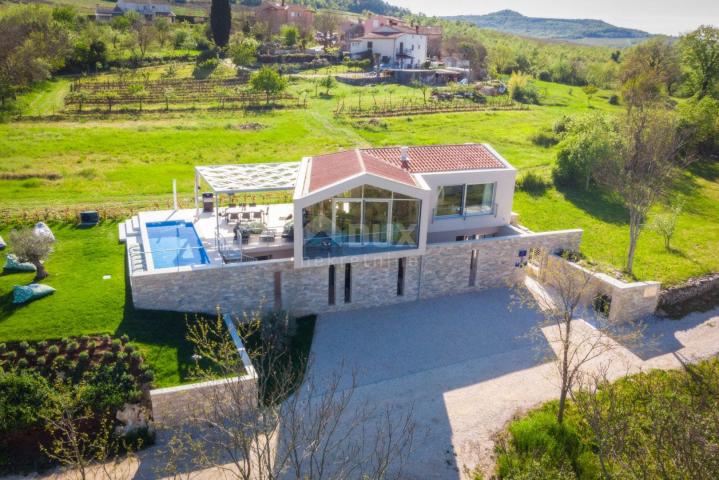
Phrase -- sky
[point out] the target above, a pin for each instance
(669, 17)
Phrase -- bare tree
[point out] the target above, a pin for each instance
(568, 290)
(282, 425)
(326, 23)
(645, 168)
(31, 247)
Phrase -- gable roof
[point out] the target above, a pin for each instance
(326, 170)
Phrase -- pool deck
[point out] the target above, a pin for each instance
(274, 218)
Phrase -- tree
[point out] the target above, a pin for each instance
(290, 35)
(243, 50)
(268, 81)
(327, 83)
(79, 97)
(666, 224)
(33, 46)
(32, 247)
(283, 424)
(326, 23)
(162, 27)
(589, 141)
(590, 91)
(144, 36)
(138, 92)
(657, 59)
(476, 54)
(111, 98)
(220, 22)
(568, 289)
(701, 53)
(645, 168)
(168, 94)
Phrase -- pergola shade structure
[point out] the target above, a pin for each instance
(254, 177)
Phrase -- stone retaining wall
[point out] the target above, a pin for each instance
(630, 301)
(443, 270)
(697, 294)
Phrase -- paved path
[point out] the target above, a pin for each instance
(465, 365)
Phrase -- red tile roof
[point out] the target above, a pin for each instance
(440, 158)
(328, 169)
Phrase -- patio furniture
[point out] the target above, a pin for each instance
(233, 217)
(288, 231)
(89, 218)
(257, 215)
(208, 202)
(246, 216)
(257, 227)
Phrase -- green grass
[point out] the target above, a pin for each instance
(84, 303)
(130, 159)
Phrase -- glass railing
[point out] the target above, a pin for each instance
(327, 246)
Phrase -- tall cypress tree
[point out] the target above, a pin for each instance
(220, 21)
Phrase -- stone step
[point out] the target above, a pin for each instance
(122, 233)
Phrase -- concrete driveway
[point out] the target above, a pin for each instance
(465, 365)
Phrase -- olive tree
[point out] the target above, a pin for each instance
(31, 247)
(268, 81)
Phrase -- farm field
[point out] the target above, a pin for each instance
(133, 158)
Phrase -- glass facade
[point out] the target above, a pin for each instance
(459, 200)
(359, 221)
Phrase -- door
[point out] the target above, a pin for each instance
(376, 222)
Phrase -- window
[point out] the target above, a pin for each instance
(450, 199)
(479, 199)
(369, 45)
(348, 283)
(400, 277)
(465, 200)
(331, 286)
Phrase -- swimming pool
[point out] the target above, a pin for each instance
(175, 244)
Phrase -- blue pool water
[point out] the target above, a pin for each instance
(175, 244)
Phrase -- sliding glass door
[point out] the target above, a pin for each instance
(376, 222)
(348, 221)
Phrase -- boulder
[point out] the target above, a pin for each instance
(12, 264)
(27, 293)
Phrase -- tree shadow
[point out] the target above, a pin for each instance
(598, 204)
(163, 329)
(706, 169)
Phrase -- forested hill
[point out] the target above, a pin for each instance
(355, 6)
(556, 28)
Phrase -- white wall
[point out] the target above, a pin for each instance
(389, 47)
(503, 198)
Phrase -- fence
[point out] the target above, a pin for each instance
(413, 107)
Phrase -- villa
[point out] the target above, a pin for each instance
(394, 46)
(364, 227)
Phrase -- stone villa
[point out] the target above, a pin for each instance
(365, 227)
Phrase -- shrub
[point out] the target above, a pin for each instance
(3, 348)
(59, 361)
(23, 345)
(11, 355)
(42, 344)
(22, 363)
(91, 345)
(30, 352)
(106, 338)
(116, 345)
(108, 355)
(532, 182)
(72, 347)
(84, 357)
(601, 304)
(148, 375)
(614, 100)
(136, 357)
(41, 361)
(562, 125)
(124, 338)
(53, 350)
(23, 398)
(522, 89)
(544, 139)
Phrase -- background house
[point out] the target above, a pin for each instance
(433, 33)
(395, 46)
(277, 14)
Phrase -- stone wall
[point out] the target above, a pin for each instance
(630, 301)
(443, 270)
(696, 294)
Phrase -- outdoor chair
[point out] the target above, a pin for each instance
(246, 216)
(257, 215)
(233, 217)
(267, 236)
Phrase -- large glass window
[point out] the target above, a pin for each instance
(449, 200)
(362, 220)
(479, 199)
(465, 200)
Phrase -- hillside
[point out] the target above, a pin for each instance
(551, 28)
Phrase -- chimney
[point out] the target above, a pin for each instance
(404, 157)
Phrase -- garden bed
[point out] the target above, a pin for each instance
(85, 381)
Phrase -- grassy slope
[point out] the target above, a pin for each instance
(86, 304)
(130, 159)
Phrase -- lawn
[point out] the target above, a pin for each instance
(133, 159)
(85, 303)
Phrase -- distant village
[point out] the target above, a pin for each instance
(413, 52)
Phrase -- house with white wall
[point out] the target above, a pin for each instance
(356, 228)
(395, 46)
